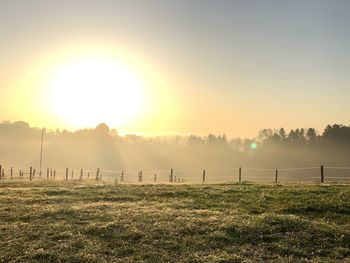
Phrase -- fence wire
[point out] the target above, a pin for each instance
(323, 174)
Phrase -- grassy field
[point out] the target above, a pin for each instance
(74, 222)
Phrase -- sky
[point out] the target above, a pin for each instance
(222, 67)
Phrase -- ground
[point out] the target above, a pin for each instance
(87, 222)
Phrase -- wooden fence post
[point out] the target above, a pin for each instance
(240, 174)
(81, 174)
(203, 176)
(122, 177)
(0, 172)
(47, 173)
(66, 174)
(116, 180)
(11, 172)
(97, 174)
(155, 178)
(51, 174)
(140, 176)
(322, 174)
(30, 173)
(171, 175)
(33, 173)
(54, 174)
(276, 176)
(72, 176)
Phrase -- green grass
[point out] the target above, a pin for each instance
(73, 222)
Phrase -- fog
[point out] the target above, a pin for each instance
(103, 148)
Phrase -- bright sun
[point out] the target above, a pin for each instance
(91, 90)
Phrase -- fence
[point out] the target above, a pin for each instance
(320, 174)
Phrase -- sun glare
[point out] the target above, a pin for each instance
(91, 90)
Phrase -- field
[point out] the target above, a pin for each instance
(86, 222)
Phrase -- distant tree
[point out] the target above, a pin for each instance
(194, 140)
(282, 133)
(57, 132)
(211, 140)
(301, 136)
(275, 138)
(236, 144)
(265, 135)
(311, 135)
(222, 140)
(102, 129)
(337, 134)
(293, 136)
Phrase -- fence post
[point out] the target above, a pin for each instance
(66, 174)
(116, 180)
(276, 176)
(33, 173)
(51, 173)
(0, 172)
(47, 173)
(203, 176)
(97, 173)
(240, 174)
(72, 175)
(81, 174)
(155, 178)
(30, 173)
(54, 174)
(171, 175)
(11, 172)
(140, 176)
(122, 177)
(88, 176)
(322, 174)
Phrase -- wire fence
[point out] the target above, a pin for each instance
(319, 174)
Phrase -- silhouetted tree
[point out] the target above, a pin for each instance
(311, 136)
(282, 133)
(194, 140)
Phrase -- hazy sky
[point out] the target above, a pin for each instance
(231, 67)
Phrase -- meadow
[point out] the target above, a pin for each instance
(95, 222)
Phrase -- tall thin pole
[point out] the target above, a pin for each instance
(41, 149)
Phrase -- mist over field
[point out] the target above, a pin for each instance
(103, 147)
(174, 131)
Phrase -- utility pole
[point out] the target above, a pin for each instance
(41, 149)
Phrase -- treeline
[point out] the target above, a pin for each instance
(104, 147)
